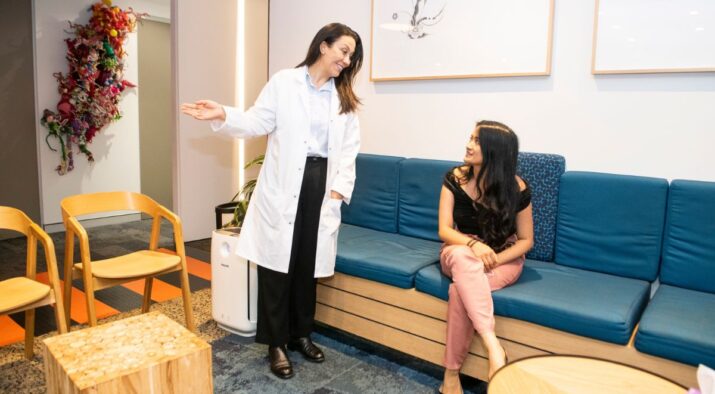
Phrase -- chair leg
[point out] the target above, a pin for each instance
(186, 293)
(59, 307)
(60, 319)
(67, 286)
(67, 299)
(148, 282)
(29, 333)
(89, 295)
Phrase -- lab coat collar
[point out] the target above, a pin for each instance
(329, 85)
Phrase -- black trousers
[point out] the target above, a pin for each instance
(286, 302)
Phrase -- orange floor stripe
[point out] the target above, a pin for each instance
(11, 331)
(160, 290)
(78, 313)
(199, 268)
(196, 267)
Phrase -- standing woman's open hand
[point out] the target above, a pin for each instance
(204, 110)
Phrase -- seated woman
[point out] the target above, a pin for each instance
(486, 225)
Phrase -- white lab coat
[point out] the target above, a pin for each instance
(281, 112)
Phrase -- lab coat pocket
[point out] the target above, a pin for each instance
(330, 220)
(269, 207)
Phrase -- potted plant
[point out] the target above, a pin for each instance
(239, 203)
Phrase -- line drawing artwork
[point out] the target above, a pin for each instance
(419, 18)
(457, 39)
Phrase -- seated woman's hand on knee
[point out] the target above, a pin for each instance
(486, 254)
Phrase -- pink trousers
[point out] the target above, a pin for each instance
(470, 305)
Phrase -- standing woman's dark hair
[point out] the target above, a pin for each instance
(344, 82)
(497, 188)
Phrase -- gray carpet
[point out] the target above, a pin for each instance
(352, 365)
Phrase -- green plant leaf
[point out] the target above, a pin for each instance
(244, 195)
(258, 160)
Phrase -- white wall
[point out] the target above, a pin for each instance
(659, 125)
(116, 148)
(157, 9)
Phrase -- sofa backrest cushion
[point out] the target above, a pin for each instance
(420, 186)
(542, 171)
(374, 200)
(611, 223)
(689, 244)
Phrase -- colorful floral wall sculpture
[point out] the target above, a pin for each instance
(91, 90)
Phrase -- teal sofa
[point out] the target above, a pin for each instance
(602, 243)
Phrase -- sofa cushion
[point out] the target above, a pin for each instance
(388, 258)
(430, 280)
(587, 303)
(420, 186)
(678, 324)
(542, 171)
(374, 201)
(611, 223)
(688, 248)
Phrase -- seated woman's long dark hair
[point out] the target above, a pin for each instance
(497, 188)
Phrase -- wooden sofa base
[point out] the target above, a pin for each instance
(415, 323)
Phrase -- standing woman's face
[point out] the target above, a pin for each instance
(473, 154)
(335, 58)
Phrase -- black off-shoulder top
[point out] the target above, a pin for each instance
(471, 217)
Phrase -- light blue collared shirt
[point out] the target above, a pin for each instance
(319, 104)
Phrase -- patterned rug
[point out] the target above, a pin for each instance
(240, 365)
(108, 302)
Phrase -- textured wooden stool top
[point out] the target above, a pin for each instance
(102, 353)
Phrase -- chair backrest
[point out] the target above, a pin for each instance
(83, 204)
(611, 223)
(15, 220)
(374, 200)
(542, 171)
(689, 248)
(420, 187)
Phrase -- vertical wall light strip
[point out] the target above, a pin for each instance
(241, 83)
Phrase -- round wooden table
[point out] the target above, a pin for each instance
(577, 374)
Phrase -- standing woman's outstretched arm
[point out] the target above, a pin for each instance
(258, 120)
(204, 110)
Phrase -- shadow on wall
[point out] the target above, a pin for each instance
(467, 85)
(670, 82)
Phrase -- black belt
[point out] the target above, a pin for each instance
(316, 158)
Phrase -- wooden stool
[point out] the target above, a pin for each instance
(140, 354)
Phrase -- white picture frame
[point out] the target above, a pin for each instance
(439, 39)
(643, 36)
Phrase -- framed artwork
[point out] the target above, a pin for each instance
(642, 36)
(436, 39)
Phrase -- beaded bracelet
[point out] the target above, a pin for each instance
(472, 242)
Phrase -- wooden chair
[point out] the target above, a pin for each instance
(25, 293)
(145, 264)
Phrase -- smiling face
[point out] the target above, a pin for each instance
(473, 154)
(335, 58)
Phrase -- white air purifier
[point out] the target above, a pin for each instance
(234, 286)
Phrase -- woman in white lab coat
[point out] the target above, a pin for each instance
(291, 227)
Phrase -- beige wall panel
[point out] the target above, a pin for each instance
(19, 177)
(155, 108)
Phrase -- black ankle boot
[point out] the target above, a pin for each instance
(280, 363)
(307, 348)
